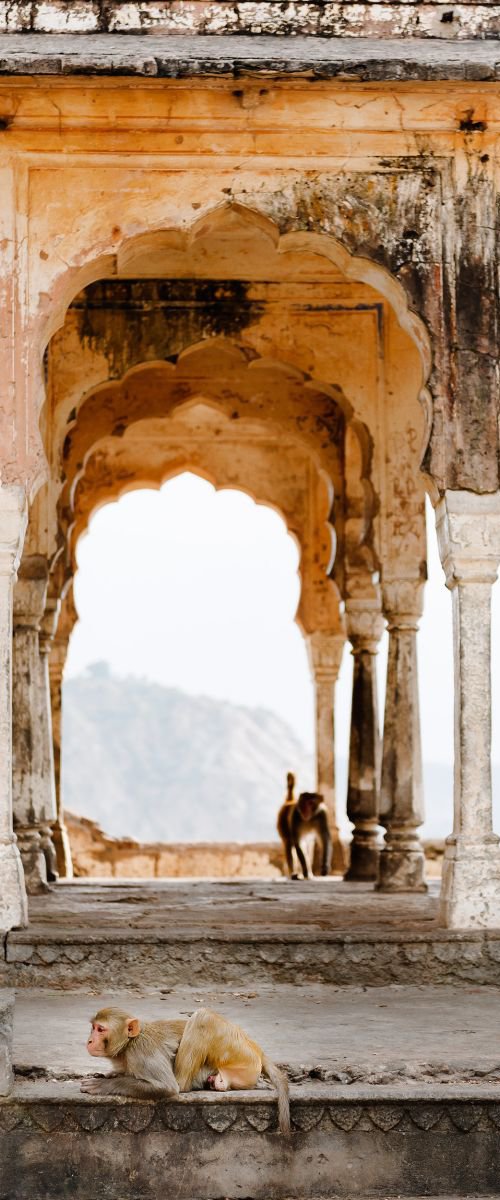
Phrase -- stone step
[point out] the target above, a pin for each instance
(345, 1143)
(81, 958)
(395, 1092)
(180, 932)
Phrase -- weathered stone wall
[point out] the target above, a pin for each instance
(96, 854)
(413, 18)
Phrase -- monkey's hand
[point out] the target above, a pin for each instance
(98, 1085)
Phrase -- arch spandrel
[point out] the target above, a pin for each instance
(236, 238)
(283, 255)
(274, 395)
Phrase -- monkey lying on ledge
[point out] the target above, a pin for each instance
(163, 1058)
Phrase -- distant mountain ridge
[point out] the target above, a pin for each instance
(157, 764)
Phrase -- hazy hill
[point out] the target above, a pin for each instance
(157, 764)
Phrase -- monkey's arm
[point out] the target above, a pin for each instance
(115, 1085)
(295, 831)
(152, 1076)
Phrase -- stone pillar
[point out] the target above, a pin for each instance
(13, 520)
(33, 782)
(402, 860)
(57, 659)
(468, 528)
(325, 656)
(45, 639)
(364, 630)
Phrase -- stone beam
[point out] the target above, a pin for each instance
(176, 57)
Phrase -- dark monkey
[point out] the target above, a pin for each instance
(297, 819)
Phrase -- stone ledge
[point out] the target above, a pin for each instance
(178, 57)
(51, 1104)
(213, 1146)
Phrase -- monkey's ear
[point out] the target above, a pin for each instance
(133, 1026)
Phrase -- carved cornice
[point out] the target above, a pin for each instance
(203, 1116)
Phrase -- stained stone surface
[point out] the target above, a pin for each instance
(395, 1036)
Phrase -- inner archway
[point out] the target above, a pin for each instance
(190, 595)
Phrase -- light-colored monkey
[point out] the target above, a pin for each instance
(167, 1057)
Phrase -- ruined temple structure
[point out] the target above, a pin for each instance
(257, 242)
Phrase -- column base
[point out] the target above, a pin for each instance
(63, 850)
(365, 855)
(401, 863)
(470, 885)
(33, 860)
(13, 902)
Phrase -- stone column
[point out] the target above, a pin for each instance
(325, 656)
(364, 630)
(468, 528)
(45, 639)
(13, 520)
(402, 860)
(57, 659)
(33, 782)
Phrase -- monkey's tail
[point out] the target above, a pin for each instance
(280, 1083)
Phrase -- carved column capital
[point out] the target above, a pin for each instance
(365, 625)
(403, 603)
(325, 655)
(13, 522)
(49, 624)
(468, 531)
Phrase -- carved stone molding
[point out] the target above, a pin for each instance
(325, 654)
(251, 1118)
(468, 531)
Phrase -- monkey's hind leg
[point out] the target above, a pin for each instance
(191, 1055)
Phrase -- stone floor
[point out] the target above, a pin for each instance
(387, 1025)
(350, 1037)
(253, 905)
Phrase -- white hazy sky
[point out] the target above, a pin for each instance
(197, 589)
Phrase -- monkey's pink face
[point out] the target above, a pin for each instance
(97, 1044)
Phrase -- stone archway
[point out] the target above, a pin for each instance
(294, 301)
